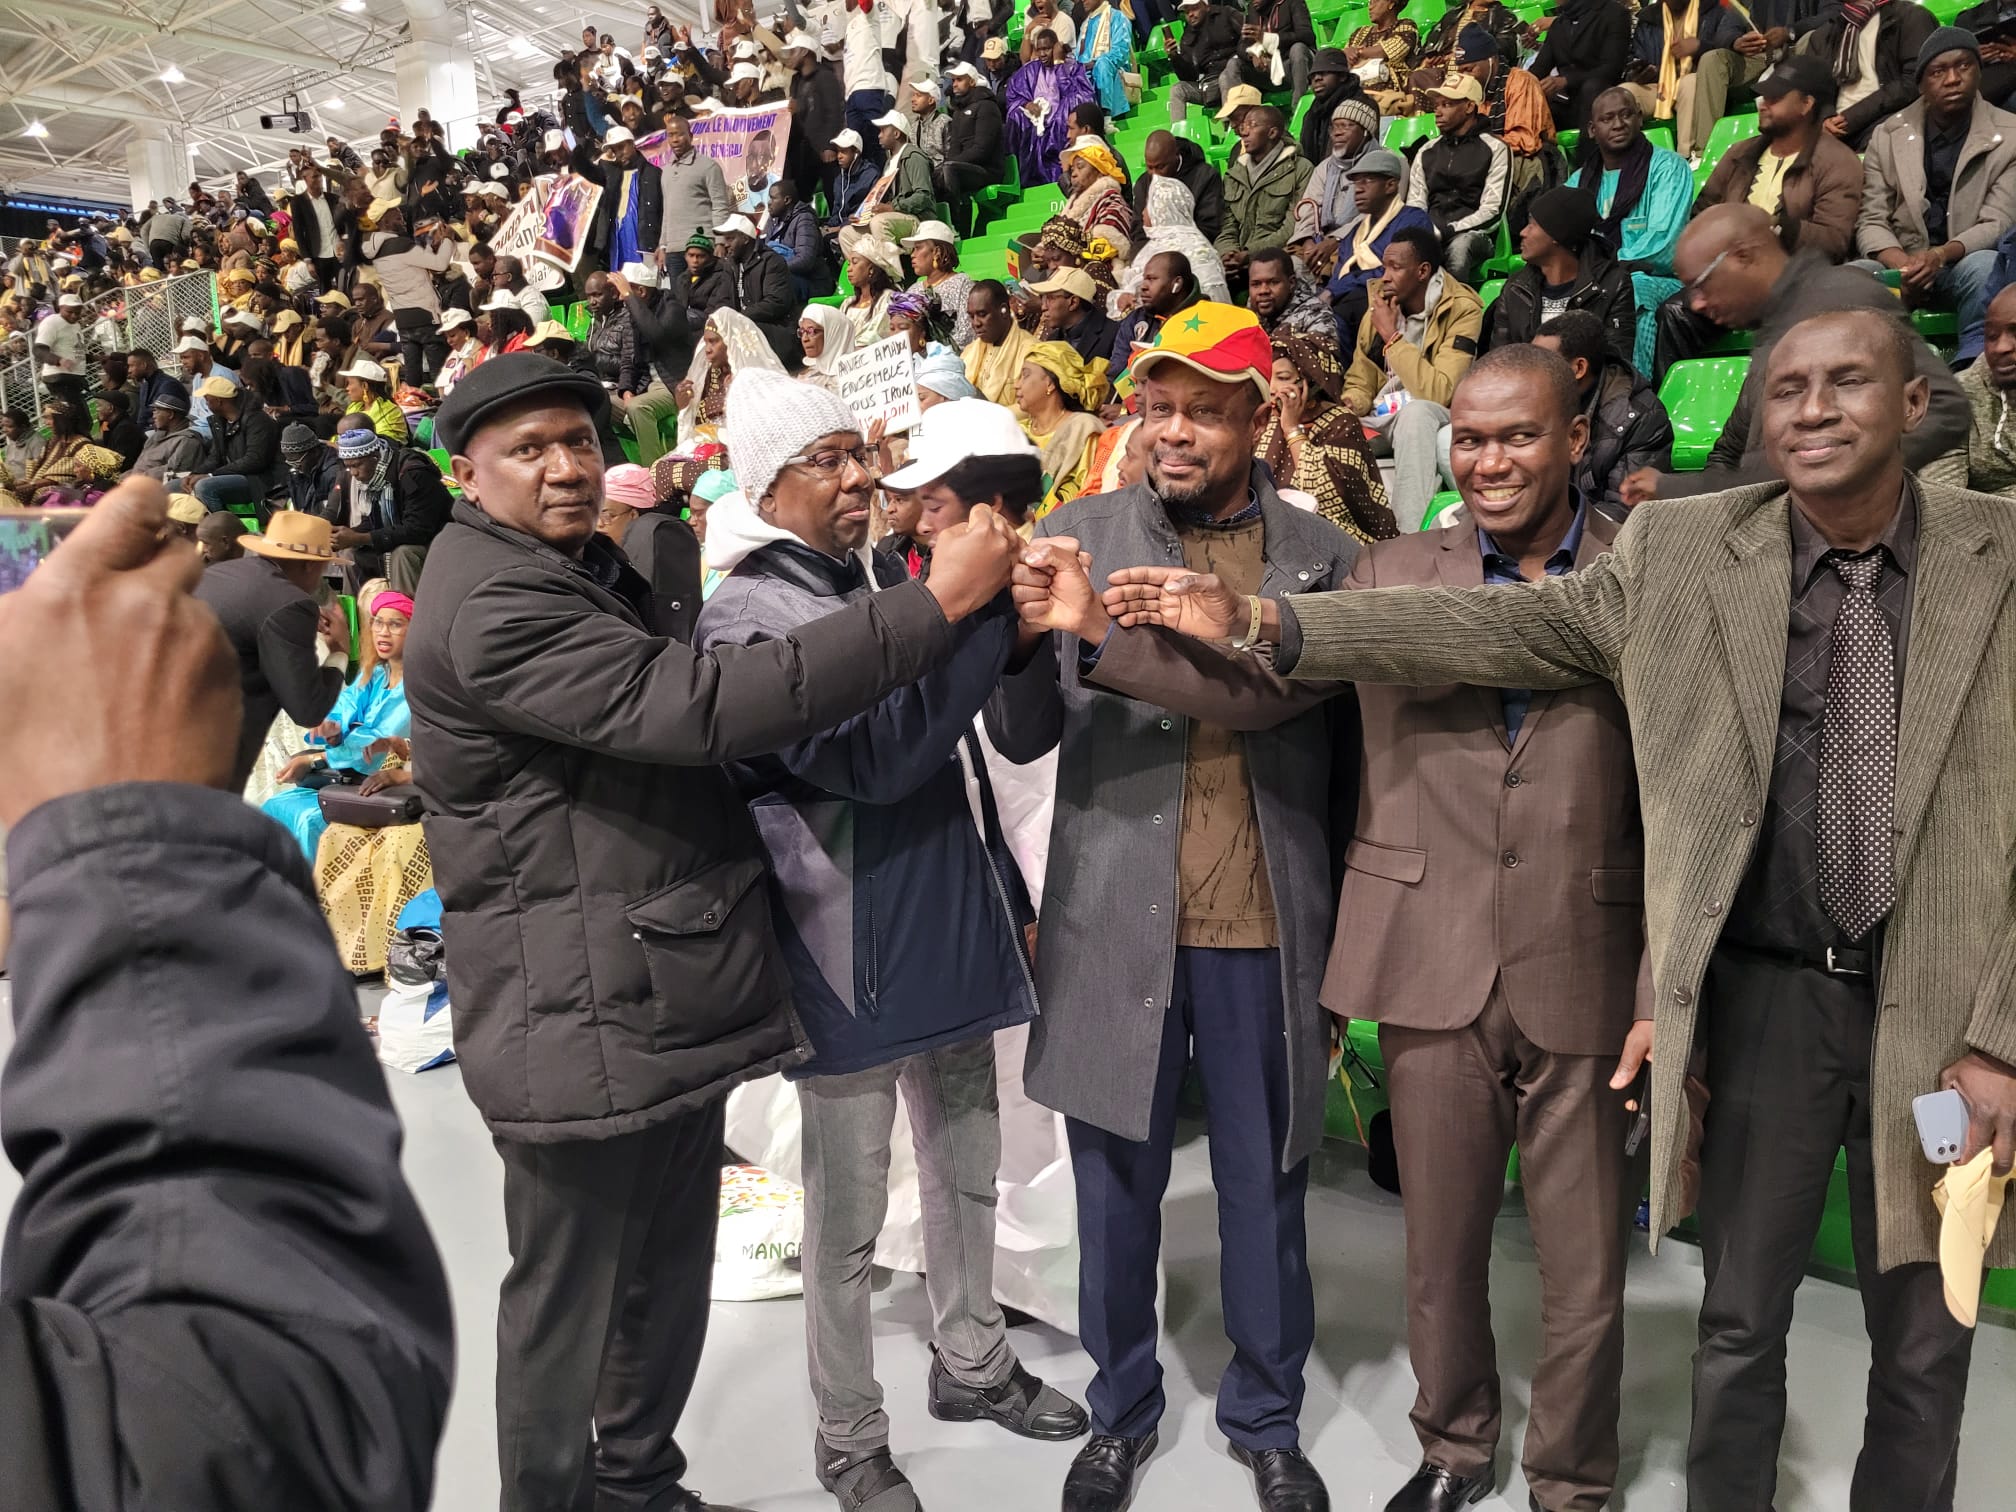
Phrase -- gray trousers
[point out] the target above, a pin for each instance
(1206, 92)
(1715, 74)
(955, 1124)
(1297, 65)
(1414, 441)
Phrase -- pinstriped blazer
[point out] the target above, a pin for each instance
(1687, 617)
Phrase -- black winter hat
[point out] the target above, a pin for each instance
(1568, 215)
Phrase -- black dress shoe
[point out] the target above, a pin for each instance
(1285, 1479)
(1021, 1404)
(1101, 1478)
(1434, 1489)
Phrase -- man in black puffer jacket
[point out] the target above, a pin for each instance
(1628, 426)
(763, 288)
(972, 145)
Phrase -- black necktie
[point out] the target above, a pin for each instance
(1858, 757)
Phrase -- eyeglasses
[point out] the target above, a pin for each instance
(833, 463)
(1709, 271)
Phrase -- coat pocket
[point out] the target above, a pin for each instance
(711, 949)
(1617, 884)
(1395, 863)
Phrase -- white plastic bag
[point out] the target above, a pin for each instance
(414, 1030)
(762, 1227)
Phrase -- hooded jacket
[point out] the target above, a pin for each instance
(900, 909)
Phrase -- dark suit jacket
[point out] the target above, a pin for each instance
(271, 626)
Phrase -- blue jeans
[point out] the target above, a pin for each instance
(222, 490)
(862, 107)
(1968, 285)
(1226, 1012)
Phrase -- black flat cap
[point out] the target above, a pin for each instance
(507, 380)
(1331, 60)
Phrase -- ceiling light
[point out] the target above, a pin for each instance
(519, 47)
(173, 75)
(332, 104)
(194, 148)
(352, 6)
(35, 129)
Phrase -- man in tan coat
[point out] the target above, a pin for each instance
(1819, 680)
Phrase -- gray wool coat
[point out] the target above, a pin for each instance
(1106, 947)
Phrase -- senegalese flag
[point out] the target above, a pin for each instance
(1220, 341)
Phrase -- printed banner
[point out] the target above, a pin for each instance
(748, 144)
(879, 382)
(548, 229)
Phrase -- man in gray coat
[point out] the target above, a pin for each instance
(694, 191)
(608, 927)
(1187, 915)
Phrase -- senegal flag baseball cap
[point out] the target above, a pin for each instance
(1221, 341)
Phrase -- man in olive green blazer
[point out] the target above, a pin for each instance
(1692, 616)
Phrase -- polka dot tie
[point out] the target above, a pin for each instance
(1858, 757)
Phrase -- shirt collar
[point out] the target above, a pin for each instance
(1561, 560)
(1810, 551)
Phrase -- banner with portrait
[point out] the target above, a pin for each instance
(748, 144)
(548, 230)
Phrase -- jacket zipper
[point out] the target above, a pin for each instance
(871, 977)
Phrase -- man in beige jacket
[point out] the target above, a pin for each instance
(1819, 682)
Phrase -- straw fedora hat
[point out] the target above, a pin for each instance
(291, 536)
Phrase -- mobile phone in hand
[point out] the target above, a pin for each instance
(1641, 1120)
(1943, 1122)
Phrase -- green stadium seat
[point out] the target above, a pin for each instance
(1439, 508)
(440, 456)
(1490, 291)
(1698, 396)
(1726, 133)
(1407, 130)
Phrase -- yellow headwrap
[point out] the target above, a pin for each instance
(1080, 381)
(1098, 154)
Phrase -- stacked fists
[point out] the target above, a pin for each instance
(1054, 591)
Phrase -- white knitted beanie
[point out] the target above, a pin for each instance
(772, 417)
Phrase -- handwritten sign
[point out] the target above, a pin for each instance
(749, 145)
(879, 383)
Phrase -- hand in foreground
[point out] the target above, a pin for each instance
(391, 777)
(1053, 590)
(1192, 603)
(970, 563)
(1637, 1051)
(1990, 1089)
(334, 627)
(1639, 486)
(109, 671)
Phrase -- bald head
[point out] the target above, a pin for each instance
(1719, 228)
(1728, 259)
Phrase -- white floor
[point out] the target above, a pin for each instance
(749, 1430)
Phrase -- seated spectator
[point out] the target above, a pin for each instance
(1314, 444)
(72, 468)
(1332, 85)
(874, 268)
(1514, 111)
(25, 443)
(369, 723)
(173, 445)
(1565, 269)
(1993, 23)
(702, 285)
(1460, 179)
(387, 509)
(369, 389)
(824, 336)
(1383, 53)
(1170, 224)
(198, 364)
(1159, 284)
(220, 538)
(1418, 337)
(1584, 53)
(1628, 426)
(242, 462)
(1988, 463)
(1643, 195)
(730, 343)
(934, 257)
(503, 326)
(1057, 399)
(1209, 42)
(1328, 209)
(1671, 38)
(1286, 299)
(1735, 271)
(1036, 108)
(1939, 186)
(313, 473)
(1266, 181)
(854, 177)
(1874, 50)
(1376, 182)
(465, 352)
(995, 61)
(1097, 200)
(928, 124)
(1071, 314)
(1166, 155)
(972, 145)
(761, 284)
(902, 195)
(1000, 346)
(794, 226)
(662, 547)
(377, 333)
(1106, 48)
(1438, 51)
(118, 431)
(1277, 48)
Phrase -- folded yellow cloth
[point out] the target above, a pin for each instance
(1969, 1198)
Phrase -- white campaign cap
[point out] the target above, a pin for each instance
(923, 87)
(848, 138)
(616, 135)
(932, 231)
(455, 318)
(744, 48)
(250, 318)
(967, 71)
(192, 344)
(193, 323)
(801, 41)
(366, 369)
(69, 302)
(640, 273)
(555, 141)
(894, 118)
(740, 223)
(487, 186)
(500, 299)
(953, 432)
(743, 71)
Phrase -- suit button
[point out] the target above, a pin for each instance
(1510, 858)
(1513, 779)
(1683, 995)
(1147, 1002)
(1168, 724)
(1711, 908)
(1158, 818)
(1154, 908)
(1749, 818)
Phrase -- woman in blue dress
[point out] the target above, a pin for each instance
(1106, 48)
(370, 722)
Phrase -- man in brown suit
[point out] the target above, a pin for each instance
(1819, 675)
(1490, 923)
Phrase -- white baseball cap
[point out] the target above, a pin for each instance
(848, 138)
(193, 323)
(923, 87)
(743, 71)
(740, 223)
(801, 41)
(69, 302)
(486, 186)
(456, 318)
(192, 344)
(641, 273)
(894, 118)
(500, 299)
(955, 432)
(932, 231)
(744, 48)
(250, 318)
(617, 135)
(556, 141)
(967, 71)
(366, 369)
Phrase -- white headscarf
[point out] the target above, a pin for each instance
(839, 338)
(1171, 223)
(747, 347)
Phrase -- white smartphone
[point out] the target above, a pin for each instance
(1943, 1122)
